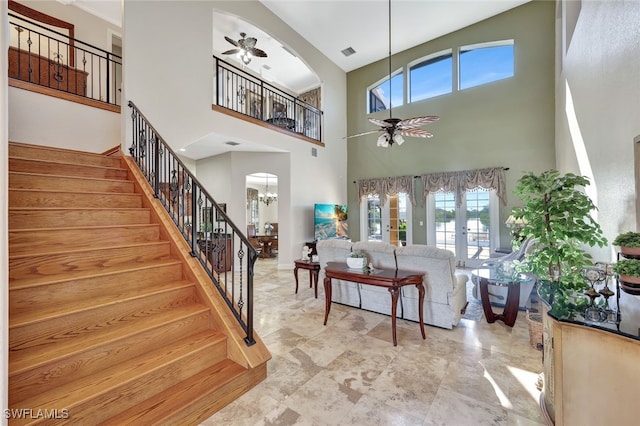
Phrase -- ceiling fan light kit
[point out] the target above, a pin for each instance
(245, 48)
(394, 128)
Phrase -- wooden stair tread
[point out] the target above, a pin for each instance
(76, 275)
(38, 240)
(52, 312)
(71, 251)
(20, 361)
(154, 410)
(110, 380)
(73, 178)
(31, 151)
(56, 168)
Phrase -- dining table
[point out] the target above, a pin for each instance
(266, 241)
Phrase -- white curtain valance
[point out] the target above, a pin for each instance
(459, 182)
(386, 187)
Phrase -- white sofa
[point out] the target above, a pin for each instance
(445, 295)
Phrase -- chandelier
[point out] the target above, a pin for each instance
(267, 197)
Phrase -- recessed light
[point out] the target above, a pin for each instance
(182, 150)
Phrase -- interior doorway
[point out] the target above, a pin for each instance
(262, 213)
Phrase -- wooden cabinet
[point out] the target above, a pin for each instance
(591, 376)
(33, 68)
(218, 251)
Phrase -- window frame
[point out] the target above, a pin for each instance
(432, 58)
(484, 45)
(399, 71)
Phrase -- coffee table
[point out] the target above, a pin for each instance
(492, 276)
(392, 279)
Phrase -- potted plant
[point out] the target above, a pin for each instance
(629, 243)
(557, 213)
(356, 260)
(628, 271)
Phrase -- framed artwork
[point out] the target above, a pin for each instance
(278, 110)
(254, 102)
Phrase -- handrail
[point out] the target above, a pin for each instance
(225, 252)
(53, 62)
(246, 94)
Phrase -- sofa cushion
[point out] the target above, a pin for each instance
(334, 250)
(438, 267)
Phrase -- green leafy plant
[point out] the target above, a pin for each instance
(627, 239)
(358, 254)
(629, 267)
(557, 213)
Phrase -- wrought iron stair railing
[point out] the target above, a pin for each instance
(220, 246)
(246, 94)
(48, 58)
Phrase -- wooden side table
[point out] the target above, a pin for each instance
(486, 277)
(314, 270)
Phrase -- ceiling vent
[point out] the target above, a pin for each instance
(232, 143)
(348, 51)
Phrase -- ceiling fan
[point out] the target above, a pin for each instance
(394, 128)
(246, 47)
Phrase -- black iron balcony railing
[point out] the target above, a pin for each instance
(48, 58)
(241, 92)
(222, 249)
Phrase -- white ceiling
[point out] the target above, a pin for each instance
(331, 26)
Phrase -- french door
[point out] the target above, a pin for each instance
(470, 231)
(390, 223)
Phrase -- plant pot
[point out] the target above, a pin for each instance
(355, 262)
(630, 284)
(630, 251)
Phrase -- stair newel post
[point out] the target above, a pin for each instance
(251, 259)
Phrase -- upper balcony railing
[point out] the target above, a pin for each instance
(51, 59)
(241, 92)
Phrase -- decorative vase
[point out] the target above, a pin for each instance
(356, 262)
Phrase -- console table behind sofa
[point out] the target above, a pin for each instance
(445, 296)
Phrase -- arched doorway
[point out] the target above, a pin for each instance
(262, 213)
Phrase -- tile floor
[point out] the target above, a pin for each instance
(349, 372)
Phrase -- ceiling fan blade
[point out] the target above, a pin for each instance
(231, 52)
(380, 123)
(361, 134)
(417, 121)
(235, 43)
(259, 52)
(415, 133)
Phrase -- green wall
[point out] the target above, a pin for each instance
(508, 123)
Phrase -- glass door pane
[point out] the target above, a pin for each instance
(445, 221)
(374, 219)
(477, 242)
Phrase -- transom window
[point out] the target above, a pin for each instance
(431, 76)
(380, 94)
(485, 62)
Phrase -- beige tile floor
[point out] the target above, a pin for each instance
(349, 372)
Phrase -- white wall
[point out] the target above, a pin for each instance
(46, 120)
(598, 105)
(174, 91)
(4, 223)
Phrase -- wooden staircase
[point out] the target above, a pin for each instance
(109, 321)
